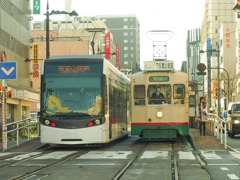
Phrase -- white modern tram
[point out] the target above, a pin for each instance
(84, 100)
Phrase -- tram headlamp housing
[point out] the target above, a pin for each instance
(47, 122)
(236, 122)
(97, 121)
(159, 114)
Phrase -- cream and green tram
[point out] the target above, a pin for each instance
(159, 102)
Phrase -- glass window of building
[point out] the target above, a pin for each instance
(125, 55)
(131, 33)
(131, 41)
(125, 26)
(132, 55)
(126, 34)
(125, 62)
(125, 48)
(132, 48)
(125, 40)
(125, 19)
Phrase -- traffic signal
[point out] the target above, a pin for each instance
(9, 94)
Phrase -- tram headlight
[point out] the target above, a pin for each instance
(159, 114)
(97, 121)
(47, 122)
(236, 122)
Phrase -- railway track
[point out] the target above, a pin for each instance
(28, 175)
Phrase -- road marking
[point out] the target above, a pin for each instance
(23, 156)
(224, 169)
(56, 155)
(223, 164)
(4, 154)
(106, 155)
(7, 72)
(233, 176)
(210, 155)
(186, 155)
(154, 154)
(235, 154)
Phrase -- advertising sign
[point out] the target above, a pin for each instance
(35, 61)
(118, 56)
(36, 6)
(107, 46)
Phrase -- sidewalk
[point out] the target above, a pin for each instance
(204, 143)
(27, 146)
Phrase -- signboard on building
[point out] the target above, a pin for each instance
(36, 6)
(158, 66)
(35, 70)
(214, 91)
(107, 46)
(118, 56)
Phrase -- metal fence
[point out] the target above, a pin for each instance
(217, 126)
(25, 125)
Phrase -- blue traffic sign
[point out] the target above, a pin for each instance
(8, 70)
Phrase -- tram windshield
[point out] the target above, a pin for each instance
(159, 94)
(75, 96)
(72, 89)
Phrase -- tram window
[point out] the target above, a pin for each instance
(179, 93)
(159, 94)
(139, 95)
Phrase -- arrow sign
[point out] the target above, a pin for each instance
(8, 70)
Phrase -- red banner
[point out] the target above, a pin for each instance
(117, 56)
(107, 46)
(214, 91)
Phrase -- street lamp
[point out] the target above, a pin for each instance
(218, 80)
(73, 13)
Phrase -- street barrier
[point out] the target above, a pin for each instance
(25, 124)
(216, 126)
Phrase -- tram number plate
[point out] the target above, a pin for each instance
(159, 108)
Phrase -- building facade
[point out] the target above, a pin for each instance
(216, 13)
(126, 32)
(14, 43)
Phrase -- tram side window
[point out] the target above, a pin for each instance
(139, 95)
(179, 93)
(159, 94)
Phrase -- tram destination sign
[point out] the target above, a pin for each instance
(158, 66)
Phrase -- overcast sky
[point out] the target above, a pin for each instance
(174, 15)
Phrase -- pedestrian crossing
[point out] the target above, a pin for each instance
(181, 155)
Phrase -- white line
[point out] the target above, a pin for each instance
(235, 154)
(106, 155)
(233, 149)
(56, 155)
(233, 176)
(23, 156)
(186, 155)
(4, 154)
(154, 154)
(210, 155)
(223, 164)
(224, 169)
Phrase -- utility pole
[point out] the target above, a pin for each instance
(218, 88)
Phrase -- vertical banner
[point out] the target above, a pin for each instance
(35, 61)
(107, 46)
(117, 56)
(214, 90)
(36, 6)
